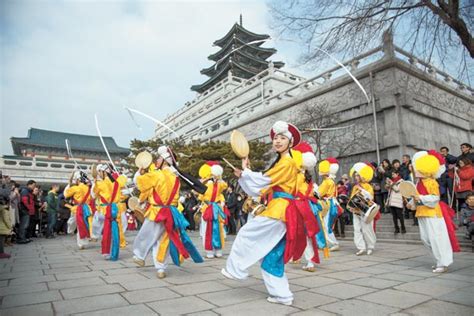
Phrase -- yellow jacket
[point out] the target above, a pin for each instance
(162, 182)
(78, 193)
(327, 189)
(432, 187)
(283, 175)
(103, 189)
(206, 197)
(366, 186)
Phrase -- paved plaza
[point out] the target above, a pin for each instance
(49, 277)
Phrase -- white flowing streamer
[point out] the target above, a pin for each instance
(102, 141)
(69, 153)
(151, 118)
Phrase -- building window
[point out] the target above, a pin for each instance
(225, 122)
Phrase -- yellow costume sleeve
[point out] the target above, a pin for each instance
(70, 191)
(324, 188)
(145, 184)
(367, 187)
(122, 181)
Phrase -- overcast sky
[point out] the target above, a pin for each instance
(61, 62)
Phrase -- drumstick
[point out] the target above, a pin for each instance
(230, 165)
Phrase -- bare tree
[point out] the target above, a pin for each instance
(331, 137)
(436, 31)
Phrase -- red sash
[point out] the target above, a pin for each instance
(165, 216)
(107, 233)
(81, 224)
(208, 216)
(299, 217)
(312, 227)
(448, 214)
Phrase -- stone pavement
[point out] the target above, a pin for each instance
(49, 277)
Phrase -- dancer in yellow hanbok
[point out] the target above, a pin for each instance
(164, 229)
(79, 190)
(214, 213)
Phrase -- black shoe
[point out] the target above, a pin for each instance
(404, 231)
(397, 231)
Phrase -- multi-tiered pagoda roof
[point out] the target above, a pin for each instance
(240, 53)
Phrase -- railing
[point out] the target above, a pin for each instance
(242, 84)
(10, 163)
(433, 71)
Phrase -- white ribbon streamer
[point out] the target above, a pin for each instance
(103, 143)
(149, 117)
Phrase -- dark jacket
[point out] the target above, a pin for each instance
(52, 200)
(27, 203)
(231, 201)
(404, 171)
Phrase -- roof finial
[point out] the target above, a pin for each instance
(241, 19)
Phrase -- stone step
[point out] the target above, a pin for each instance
(388, 228)
(409, 238)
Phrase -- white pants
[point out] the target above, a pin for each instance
(434, 234)
(364, 234)
(331, 238)
(124, 222)
(309, 253)
(253, 242)
(202, 233)
(148, 238)
(71, 227)
(97, 225)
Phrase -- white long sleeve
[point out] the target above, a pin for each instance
(429, 200)
(253, 182)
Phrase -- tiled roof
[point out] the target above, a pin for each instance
(78, 142)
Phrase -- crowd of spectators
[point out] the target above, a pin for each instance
(28, 212)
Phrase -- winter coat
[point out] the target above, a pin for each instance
(395, 198)
(5, 221)
(466, 175)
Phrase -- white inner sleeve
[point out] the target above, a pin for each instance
(135, 177)
(429, 200)
(253, 182)
(366, 194)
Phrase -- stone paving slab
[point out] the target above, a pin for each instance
(86, 291)
(199, 288)
(394, 298)
(23, 288)
(149, 295)
(460, 297)
(230, 297)
(342, 290)
(307, 300)
(179, 306)
(375, 282)
(358, 308)
(440, 308)
(30, 310)
(396, 280)
(139, 309)
(251, 307)
(30, 298)
(86, 304)
(58, 285)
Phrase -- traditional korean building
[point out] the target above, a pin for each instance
(241, 54)
(242, 75)
(42, 155)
